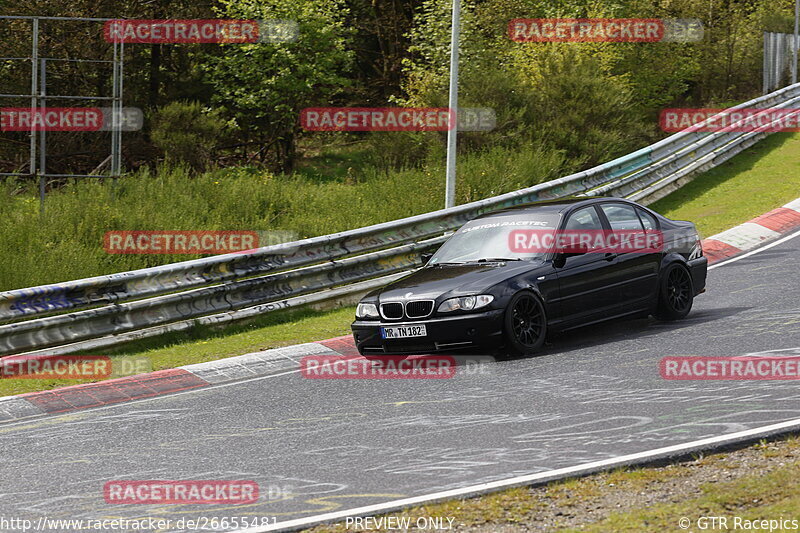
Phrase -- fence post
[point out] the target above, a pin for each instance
(42, 136)
(34, 103)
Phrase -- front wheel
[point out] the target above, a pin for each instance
(525, 324)
(676, 294)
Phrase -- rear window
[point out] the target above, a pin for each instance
(648, 220)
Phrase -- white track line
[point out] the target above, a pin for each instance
(757, 250)
(526, 480)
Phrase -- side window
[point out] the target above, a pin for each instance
(648, 220)
(584, 218)
(621, 216)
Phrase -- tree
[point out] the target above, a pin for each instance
(265, 85)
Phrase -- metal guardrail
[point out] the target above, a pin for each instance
(111, 309)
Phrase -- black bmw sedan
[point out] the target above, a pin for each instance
(506, 279)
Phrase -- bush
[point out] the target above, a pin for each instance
(400, 149)
(578, 109)
(187, 133)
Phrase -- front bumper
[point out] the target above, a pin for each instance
(444, 334)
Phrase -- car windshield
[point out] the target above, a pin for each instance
(488, 239)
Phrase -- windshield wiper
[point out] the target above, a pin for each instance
(481, 260)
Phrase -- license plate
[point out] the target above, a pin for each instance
(403, 332)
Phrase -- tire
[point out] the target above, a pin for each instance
(525, 324)
(676, 294)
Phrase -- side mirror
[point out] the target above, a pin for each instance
(579, 248)
(425, 257)
(560, 258)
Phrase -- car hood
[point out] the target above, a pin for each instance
(452, 280)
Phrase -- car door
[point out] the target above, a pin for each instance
(585, 281)
(636, 276)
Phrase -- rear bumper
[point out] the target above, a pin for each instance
(444, 334)
(699, 269)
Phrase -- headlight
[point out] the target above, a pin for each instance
(367, 311)
(466, 303)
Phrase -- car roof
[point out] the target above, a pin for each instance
(558, 205)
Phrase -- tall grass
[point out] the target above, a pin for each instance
(67, 242)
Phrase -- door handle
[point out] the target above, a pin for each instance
(610, 257)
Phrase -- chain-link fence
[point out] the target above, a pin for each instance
(43, 35)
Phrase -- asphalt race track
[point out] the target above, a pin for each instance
(317, 446)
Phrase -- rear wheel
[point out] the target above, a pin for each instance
(676, 293)
(525, 324)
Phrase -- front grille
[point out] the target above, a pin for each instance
(419, 308)
(372, 349)
(392, 310)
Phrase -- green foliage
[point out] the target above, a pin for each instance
(265, 85)
(577, 108)
(401, 149)
(646, 77)
(566, 97)
(187, 133)
(374, 52)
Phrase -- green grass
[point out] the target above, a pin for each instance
(763, 177)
